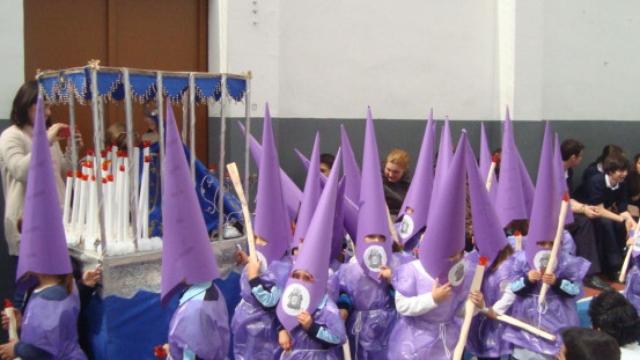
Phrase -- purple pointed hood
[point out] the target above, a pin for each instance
(485, 163)
(445, 152)
(419, 193)
(444, 236)
(310, 196)
(350, 167)
(291, 193)
(313, 258)
(271, 221)
(546, 203)
(349, 209)
(372, 218)
(187, 256)
(338, 222)
(515, 193)
(487, 231)
(43, 245)
(561, 186)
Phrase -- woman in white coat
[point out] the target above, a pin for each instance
(15, 154)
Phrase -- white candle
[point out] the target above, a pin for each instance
(111, 202)
(118, 200)
(67, 199)
(84, 192)
(125, 201)
(77, 180)
(145, 203)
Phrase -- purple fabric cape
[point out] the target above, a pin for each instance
(53, 326)
(202, 326)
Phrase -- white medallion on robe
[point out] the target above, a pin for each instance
(456, 273)
(375, 257)
(295, 298)
(405, 227)
(541, 260)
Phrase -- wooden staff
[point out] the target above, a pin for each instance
(476, 284)
(346, 350)
(492, 170)
(553, 258)
(627, 258)
(527, 327)
(235, 179)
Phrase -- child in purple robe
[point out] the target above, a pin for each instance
(200, 326)
(557, 312)
(430, 313)
(367, 304)
(485, 336)
(318, 334)
(254, 324)
(49, 327)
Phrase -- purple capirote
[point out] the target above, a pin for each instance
(187, 256)
(313, 255)
(271, 220)
(419, 194)
(292, 193)
(372, 218)
(310, 196)
(444, 236)
(515, 192)
(43, 245)
(546, 202)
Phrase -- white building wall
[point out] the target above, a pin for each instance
(11, 53)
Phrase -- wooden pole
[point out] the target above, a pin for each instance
(237, 184)
(476, 284)
(627, 258)
(553, 258)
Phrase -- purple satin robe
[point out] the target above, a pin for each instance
(53, 326)
(557, 313)
(485, 335)
(202, 326)
(307, 348)
(434, 334)
(372, 316)
(255, 332)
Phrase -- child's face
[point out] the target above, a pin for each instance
(302, 275)
(617, 176)
(325, 169)
(393, 172)
(374, 238)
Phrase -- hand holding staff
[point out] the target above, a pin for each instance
(476, 284)
(235, 179)
(553, 258)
